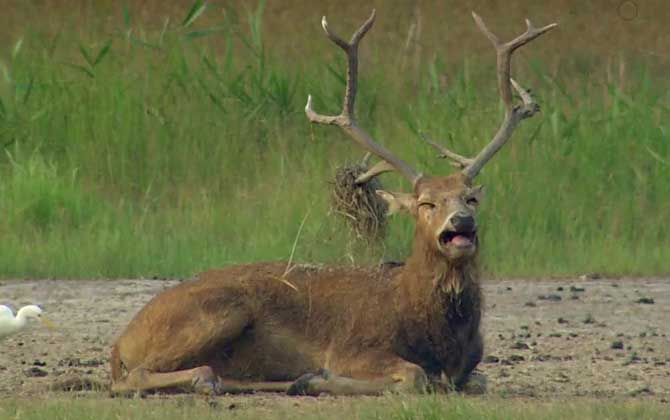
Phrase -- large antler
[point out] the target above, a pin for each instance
(513, 113)
(347, 121)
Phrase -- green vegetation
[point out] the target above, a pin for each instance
(162, 150)
(424, 408)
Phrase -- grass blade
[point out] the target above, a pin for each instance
(102, 53)
(17, 48)
(202, 33)
(84, 52)
(82, 69)
(29, 89)
(197, 9)
(127, 18)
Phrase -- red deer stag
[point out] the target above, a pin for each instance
(338, 330)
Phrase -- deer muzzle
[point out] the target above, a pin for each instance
(459, 231)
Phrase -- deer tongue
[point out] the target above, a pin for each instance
(461, 240)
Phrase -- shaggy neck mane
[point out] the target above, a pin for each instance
(439, 303)
(428, 278)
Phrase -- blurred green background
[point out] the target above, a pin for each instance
(161, 138)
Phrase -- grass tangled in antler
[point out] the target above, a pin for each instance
(363, 210)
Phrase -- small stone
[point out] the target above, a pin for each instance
(645, 301)
(562, 377)
(645, 390)
(35, 372)
(519, 345)
(576, 289)
(491, 359)
(617, 345)
(589, 319)
(632, 358)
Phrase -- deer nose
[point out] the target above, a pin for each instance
(462, 222)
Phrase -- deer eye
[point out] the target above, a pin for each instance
(427, 205)
(472, 201)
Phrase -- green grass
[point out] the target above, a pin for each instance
(164, 150)
(395, 408)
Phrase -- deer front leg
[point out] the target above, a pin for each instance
(471, 381)
(403, 377)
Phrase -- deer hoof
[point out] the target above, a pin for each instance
(205, 386)
(301, 386)
(476, 384)
(308, 384)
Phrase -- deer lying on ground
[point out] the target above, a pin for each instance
(338, 330)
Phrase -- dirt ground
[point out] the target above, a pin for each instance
(597, 338)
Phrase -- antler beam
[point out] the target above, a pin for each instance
(514, 114)
(457, 160)
(347, 121)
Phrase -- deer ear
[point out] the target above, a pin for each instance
(398, 202)
(478, 192)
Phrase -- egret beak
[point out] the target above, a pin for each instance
(47, 322)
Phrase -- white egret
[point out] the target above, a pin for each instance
(10, 324)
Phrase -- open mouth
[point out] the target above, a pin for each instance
(458, 239)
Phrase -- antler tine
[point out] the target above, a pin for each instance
(482, 26)
(513, 114)
(346, 120)
(457, 160)
(529, 104)
(365, 27)
(333, 36)
(379, 168)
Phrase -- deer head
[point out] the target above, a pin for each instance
(443, 206)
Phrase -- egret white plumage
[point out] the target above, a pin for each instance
(10, 324)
